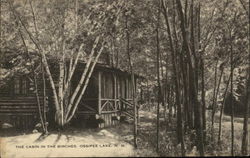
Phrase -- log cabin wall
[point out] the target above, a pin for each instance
(18, 104)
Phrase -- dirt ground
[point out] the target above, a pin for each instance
(114, 141)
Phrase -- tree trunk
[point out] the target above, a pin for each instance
(166, 94)
(232, 105)
(81, 82)
(185, 92)
(190, 101)
(133, 81)
(38, 103)
(203, 94)
(148, 96)
(35, 83)
(202, 69)
(72, 68)
(44, 60)
(194, 98)
(170, 103)
(244, 146)
(159, 97)
(245, 137)
(214, 93)
(218, 88)
(176, 78)
(193, 44)
(222, 108)
(90, 72)
(44, 101)
(60, 113)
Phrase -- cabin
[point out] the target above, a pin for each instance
(108, 97)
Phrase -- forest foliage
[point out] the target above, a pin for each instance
(186, 49)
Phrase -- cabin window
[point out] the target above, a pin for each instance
(20, 86)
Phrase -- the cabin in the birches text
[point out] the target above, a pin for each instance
(108, 97)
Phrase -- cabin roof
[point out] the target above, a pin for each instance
(99, 66)
(103, 67)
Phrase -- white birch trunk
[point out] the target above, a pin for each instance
(72, 69)
(44, 60)
(85, 84)
(60, 92)
(72, 99)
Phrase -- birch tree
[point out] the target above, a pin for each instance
(61, 46)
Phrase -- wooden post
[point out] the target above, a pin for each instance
(127, 92)
(118, 92)
(99, 92)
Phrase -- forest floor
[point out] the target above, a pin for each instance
(167, 138)
(225, 147)
(116, 141)
(113, 141)
(107, 142)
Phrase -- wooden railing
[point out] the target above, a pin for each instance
(108, 105)
(127, 107)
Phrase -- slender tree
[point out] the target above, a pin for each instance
(222, 108)
(231, 91)
(199, 131)
(34, 75)
(44, 100)
(176, 78)
(158, 76)
(245, 137)
(132, 78)
(214, 93)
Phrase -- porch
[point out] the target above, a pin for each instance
(107, 98)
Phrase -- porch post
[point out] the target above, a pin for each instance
(99, 92)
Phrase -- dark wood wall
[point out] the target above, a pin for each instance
(18, 102)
